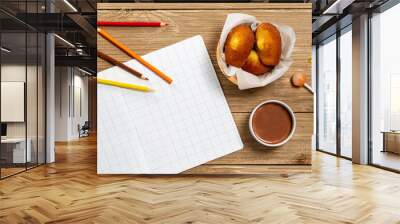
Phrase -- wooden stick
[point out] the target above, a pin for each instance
(308, 87)
(121, 65)
(133, 55)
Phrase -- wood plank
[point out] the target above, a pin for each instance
(296, 151)
(185, 24)
(248, 169)
(187, 20)
(201, 6)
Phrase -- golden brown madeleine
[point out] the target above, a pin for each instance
(254, 65)
(268, 44)
(238, 45)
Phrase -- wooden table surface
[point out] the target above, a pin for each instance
(187, 20)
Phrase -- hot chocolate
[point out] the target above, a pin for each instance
(272, 123)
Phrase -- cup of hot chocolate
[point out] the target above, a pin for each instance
(272, 123)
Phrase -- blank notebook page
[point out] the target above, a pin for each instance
(175, 128)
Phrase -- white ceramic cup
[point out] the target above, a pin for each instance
(291, 132)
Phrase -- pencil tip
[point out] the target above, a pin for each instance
(144, 78)
(163, 24)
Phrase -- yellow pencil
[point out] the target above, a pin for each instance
(124, 85)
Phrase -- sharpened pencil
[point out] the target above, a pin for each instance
(121, 65)
(131, 23)
(124, 85)
(129, 52)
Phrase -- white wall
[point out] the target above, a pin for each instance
(69, 112)
(80, 105)
(62, 81)
(12, 73)
(33, 126)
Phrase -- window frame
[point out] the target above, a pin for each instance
(336, 36)
(29, 29)
(381, 9)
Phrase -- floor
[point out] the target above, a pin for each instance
(387, 159)
(70, 191)
(8, 171)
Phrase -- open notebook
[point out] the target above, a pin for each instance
(178, 127)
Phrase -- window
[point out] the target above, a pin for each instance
(327, 96)
(333, 137)
(346, 92)
(22, 77)
(385, 89)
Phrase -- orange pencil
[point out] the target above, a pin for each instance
(133, 55)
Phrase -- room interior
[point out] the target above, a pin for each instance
(342, 164)
(22, 105)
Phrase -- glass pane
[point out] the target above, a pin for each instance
(385, 84)
(346, 93)
(13, 88)
(22, 88)
(327, 96)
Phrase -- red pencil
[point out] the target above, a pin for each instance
(134, 23)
